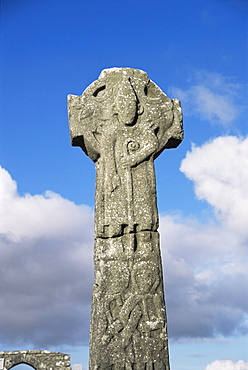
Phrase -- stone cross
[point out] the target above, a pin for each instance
(123, 121)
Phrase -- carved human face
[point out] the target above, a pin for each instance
(126, 102)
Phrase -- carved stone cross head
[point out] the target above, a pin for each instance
(123, 121)
(123, 97)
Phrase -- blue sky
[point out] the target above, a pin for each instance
(195, 51)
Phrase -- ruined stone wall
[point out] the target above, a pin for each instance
(45, 360)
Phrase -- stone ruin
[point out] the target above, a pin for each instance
(39, 360)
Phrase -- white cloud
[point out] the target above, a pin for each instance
(206, 264)
(219, 172)
(46, 245)
(211, 97)
(38, 215)
(205, 278)
(227, 365)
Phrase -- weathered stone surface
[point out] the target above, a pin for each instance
(39, 360)
(123, 121)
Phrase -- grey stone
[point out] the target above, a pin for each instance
(123, 121)
(39, 360)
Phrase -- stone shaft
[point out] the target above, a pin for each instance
(123, 121)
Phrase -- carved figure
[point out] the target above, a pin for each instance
(123, 121)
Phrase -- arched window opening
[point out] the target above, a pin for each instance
(22, 367)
